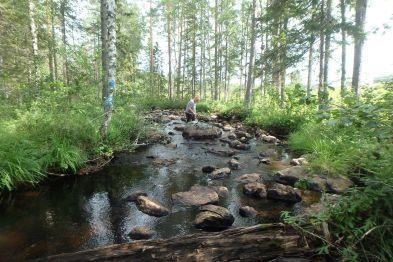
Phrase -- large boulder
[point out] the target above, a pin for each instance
(197, 196)
(248, 178)
(236, 144)
(338, 185)
(283, 193)
(201, 132)
(255, 189)
(138, 233)
(213, 217)
(247, 211)
(151, 207)
(222, 191)
(220, 173)
(289, 176)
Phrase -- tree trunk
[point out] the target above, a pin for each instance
(104, 36)
(54, 46)
(169, 10)
(180, 54)
(343, 47)
(216, 51)
(63, 8)
(193, 56)
(267, 242)
(34, 43)
(151, 50)
(327, 48)
(321, 55)
(110, 22)
(50, 40)
(248, 96)
(309, 70)
(360, 17)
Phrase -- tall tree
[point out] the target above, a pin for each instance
(34, 43)
(343, 47)
(321, 52)
(360, 17)
(328, 29)
(63, 10)
(104, 35)
(109, 7)
(169, 30)
(250, 80)
(216, 70)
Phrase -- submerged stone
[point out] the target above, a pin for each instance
(248, 178)
(220, 173)
(138, 233)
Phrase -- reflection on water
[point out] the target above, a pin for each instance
(78, 213)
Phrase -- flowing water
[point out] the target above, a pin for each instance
(82, 212)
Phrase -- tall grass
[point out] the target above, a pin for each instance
(58, 133)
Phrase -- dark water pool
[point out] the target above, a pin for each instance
(83, 212)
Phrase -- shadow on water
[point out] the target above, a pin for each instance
(83, 212)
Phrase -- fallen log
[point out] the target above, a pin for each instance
(257, 243)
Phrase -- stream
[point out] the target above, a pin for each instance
(84, 212)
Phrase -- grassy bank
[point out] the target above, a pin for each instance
(59, 132)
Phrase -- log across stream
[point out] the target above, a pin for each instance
(268, 242)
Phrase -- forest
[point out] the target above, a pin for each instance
(92, 100)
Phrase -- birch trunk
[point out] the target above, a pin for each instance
(216, 51)
(327, 48)
(34, 42)
(321, 56)
(110, 22)
(63, 7)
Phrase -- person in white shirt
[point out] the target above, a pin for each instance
(191, 109)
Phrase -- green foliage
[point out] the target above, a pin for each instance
(235, 110)
(356, 140)
(58, 133)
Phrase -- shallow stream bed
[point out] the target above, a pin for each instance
(83, 212)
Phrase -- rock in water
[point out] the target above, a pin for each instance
(196, 197)
(201, 132)
(236, 144)
(269, 139)
(138, 233)
(283, 193)
(179, 127)
(222, 191)
(289, 176)
(338, 185)
(134, 195)
(151, 207)
(299, 161)
(220, 173)
(234, 164)
(213, 217)
(255, 189)
(208, 169)
(247, 211)
(248, 178)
